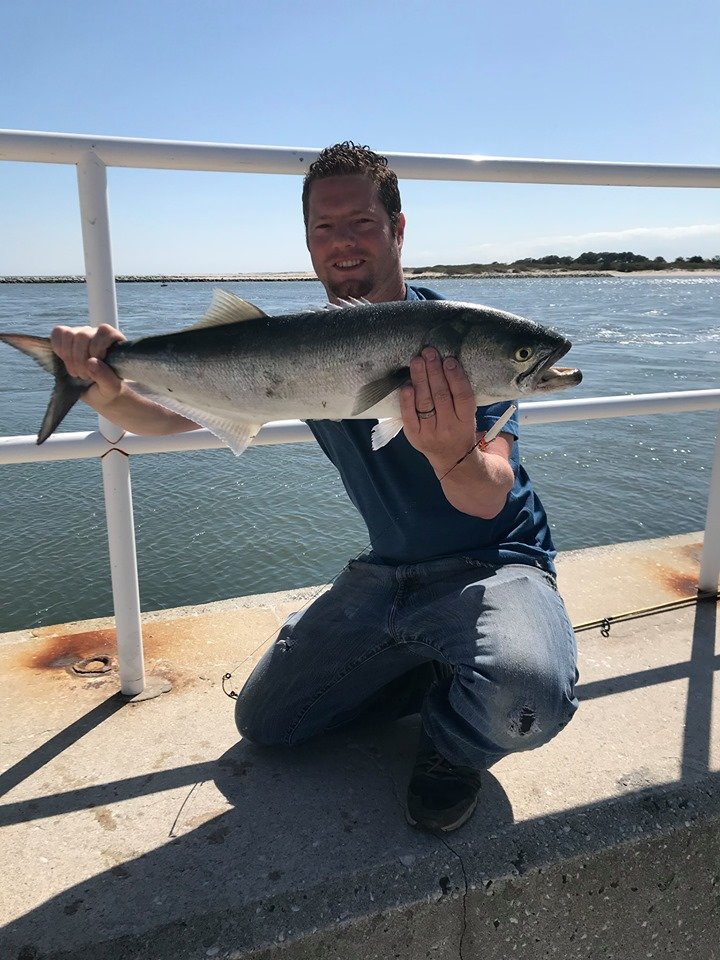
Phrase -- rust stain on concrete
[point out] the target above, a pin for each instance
(680, 582)
(185, 651)
(175, 649)
(63, 650)
(680, 577)
(55, 650)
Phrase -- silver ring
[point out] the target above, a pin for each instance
(425, 414)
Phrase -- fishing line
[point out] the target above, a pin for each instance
(484, 439)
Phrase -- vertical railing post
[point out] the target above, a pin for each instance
(92, 187)
(710, 563)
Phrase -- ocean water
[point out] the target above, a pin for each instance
(210, 525)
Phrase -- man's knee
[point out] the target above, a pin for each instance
(261, 714)
(529, 717)
(257, 725)
(515, 709)
(528, 727)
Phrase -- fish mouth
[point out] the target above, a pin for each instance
(543, 376)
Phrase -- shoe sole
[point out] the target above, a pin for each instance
(448, 827)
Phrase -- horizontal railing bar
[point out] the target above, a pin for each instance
(599, 408)
(85, 445)
(24, 145)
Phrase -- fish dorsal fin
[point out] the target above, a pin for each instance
(352, 302)
(227, 308)
(345, 304)
(377, 390)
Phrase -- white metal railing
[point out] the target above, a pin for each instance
(231, 158)
(92, 155)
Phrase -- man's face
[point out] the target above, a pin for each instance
(353, 247)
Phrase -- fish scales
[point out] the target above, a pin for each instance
(310, 365)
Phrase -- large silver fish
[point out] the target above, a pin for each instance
(239, 368)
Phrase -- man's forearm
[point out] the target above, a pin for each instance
(137, 414)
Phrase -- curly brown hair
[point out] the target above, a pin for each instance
(350, 159)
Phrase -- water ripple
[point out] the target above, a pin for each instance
(211, 526)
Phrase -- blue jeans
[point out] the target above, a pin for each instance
(484, 651)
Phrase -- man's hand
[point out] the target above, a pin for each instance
(438, 410)
(82, 350)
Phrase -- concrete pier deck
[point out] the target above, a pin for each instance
(146, 830)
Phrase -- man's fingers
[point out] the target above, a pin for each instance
(460, 388)
(419, 377)
(105, 336)
(79, 346)
(61, 342)
(442, 398)
(76, 346)
(441, 386)
(108, 383)
(407, 408)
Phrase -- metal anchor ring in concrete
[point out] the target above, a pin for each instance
(93, 665)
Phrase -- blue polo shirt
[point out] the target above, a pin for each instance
(408, 517)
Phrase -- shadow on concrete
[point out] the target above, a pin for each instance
(699, 670)
(30, 765)
(300, 835)
(297, 839)
(698, 713)
(645, 678)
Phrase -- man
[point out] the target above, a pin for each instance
(454, 611)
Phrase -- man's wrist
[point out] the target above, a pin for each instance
(445, 467)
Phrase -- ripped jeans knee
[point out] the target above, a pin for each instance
(529, 721)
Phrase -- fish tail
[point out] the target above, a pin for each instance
(67, 390)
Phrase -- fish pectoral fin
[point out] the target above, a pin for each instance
(447, 338)
(227, 308)
(384, 431)
(377, 390)
(235, 432)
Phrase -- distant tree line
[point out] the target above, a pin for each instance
(624, 262)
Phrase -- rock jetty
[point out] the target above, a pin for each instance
(157, 278)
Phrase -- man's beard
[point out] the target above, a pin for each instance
(351, 288)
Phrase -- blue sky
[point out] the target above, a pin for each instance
(624, 81)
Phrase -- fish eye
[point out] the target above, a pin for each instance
(523, 353)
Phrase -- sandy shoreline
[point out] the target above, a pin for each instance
(410, 274)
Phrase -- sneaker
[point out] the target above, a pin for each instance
(440, 796)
